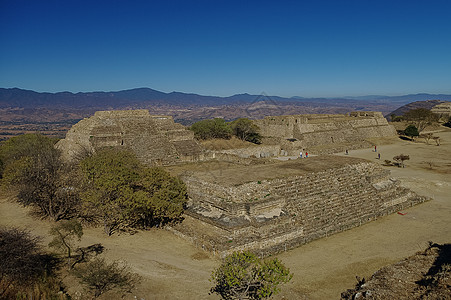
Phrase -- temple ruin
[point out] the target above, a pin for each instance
(443, 110)
(325, 133)
(272, 207)
(156, 140)
(243, 199)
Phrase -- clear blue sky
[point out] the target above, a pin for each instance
(286, 48)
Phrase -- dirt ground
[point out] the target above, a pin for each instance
(228, 174)
(173, 269)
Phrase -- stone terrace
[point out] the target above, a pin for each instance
(156, 140)
(270, 208)
(325, 133)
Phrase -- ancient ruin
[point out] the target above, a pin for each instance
(156, 140)
(443, 110)
(325, 133)
(243, 199)
(268, 208)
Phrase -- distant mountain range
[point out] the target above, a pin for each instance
(144, 97)
(53, 114)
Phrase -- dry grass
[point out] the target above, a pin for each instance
(173, 269)
(222, 144)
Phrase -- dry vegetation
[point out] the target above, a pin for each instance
(221, 144)
(424, 275)
(171, 268)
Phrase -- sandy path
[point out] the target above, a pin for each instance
(173, 269)
(326, 267)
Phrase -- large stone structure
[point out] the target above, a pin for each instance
(332, 132)
(268, 208)
(156, 140)
(443, 110)
(240, 199)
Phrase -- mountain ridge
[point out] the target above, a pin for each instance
(17, 97)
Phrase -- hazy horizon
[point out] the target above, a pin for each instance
(264, 94)
(222, 48)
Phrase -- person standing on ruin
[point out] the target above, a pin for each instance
(378, 156)
(306, 154)
(300, 154)
(375, 149)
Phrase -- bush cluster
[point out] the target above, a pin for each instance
(217, 128)
(110, 187)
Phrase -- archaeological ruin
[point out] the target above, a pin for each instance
(443, 110)
(156, 140)
(325, 133)
(244, 199)
(271, 207)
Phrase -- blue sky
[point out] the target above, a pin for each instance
(286, 48)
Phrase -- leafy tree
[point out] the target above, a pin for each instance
(100, 276)
(33, 168)
(122, 193)
(22, 262)
(243, 275)
(211, 129)
(411, 131)
(64, 234)
(165, 195)
(421, 118)
(246, 130)
(109, 179)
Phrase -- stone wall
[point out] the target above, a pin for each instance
(156, 140)
(273, 215)
(309, 131)
(443, 110)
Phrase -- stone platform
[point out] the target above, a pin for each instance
(268, 208)
(156, 140)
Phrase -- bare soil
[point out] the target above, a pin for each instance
(173, 269)
(235, 174)
(222, 144)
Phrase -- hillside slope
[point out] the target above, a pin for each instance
(428, 104)
(425, 275)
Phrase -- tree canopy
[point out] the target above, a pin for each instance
(99, 276)
(120, 192)
(22, 262)
(400, 159)
(420, 117)
(33, 168)
(64, 234)
(243, 275)
(243, 128)
(246, 130)
(411, 131)
(211, 129)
